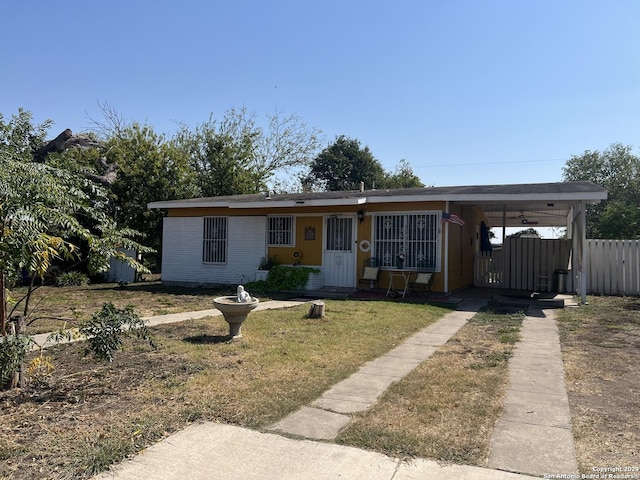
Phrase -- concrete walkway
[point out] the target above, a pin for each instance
(217, 451)
(534, 434)
(326, 416)
(207, 451)
(42, 342)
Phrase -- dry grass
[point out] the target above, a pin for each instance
(445, 409)
(88, 415)
(601, 352)
(72, 304)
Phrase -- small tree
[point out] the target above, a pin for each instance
(46, 214)
(402, 177)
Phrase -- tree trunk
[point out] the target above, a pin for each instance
(317, 309)
(55, 145)
(18, 324)
(3, 305)
(65, 141)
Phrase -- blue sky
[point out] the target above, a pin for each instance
(468, 92)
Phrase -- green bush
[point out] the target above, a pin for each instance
(72, 279)
(267, 263)
(13, 351)
(282, 277)
(107, 328)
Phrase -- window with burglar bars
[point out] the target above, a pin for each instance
(413, 236)
(214, 245)
(280, 231)
(339, 234)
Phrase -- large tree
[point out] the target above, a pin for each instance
(618, 170)
(402, 177)
(150, 168)
(235, 155)
(345, 163)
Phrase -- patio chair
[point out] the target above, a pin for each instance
(371, 274)
(423, 281)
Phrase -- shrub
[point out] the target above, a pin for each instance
(281, 277)
(72, 279)
(107, 328)
(13, 351)
(267, 263)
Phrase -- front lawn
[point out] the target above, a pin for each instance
(88, 415)
(55, 307)
(601, 353)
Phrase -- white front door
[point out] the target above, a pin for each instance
(339, 264)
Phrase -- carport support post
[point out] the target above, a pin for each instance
(583, 251)
(446, 251)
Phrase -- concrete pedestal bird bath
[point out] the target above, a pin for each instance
(235, 309)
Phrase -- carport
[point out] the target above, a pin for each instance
(526, 263)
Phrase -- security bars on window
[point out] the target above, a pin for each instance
(214, 245)
(339, 234)
(412, 236)
(280, 231)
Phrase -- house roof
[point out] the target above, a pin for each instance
(519, 204)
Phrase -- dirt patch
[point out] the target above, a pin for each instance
(601, 351)
(83, 400)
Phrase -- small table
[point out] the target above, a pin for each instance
(400, 274)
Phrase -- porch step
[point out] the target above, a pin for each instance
(333, 293)
(542, 300)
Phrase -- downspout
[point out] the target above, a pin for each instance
(446, 251)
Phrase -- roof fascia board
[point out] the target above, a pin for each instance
(531, 197)
(259, 204)
(191, 204)
(460, 198)
(299, 203)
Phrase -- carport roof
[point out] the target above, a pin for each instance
(547, 204)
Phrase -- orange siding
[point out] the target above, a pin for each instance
(311, 250)
(461, 239)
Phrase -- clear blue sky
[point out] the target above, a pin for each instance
(468, 92)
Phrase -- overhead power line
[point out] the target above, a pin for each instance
(479, 164)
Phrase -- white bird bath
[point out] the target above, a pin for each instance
(234, 312)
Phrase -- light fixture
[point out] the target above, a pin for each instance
(361, 216)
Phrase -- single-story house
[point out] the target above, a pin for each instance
(222, 240)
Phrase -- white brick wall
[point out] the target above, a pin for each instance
(182, 251)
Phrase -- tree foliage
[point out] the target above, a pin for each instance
(150, 168)
(527, 232)
(618, 170)
(402, 177)
(235, 155)
(345, 163)
(47, 214)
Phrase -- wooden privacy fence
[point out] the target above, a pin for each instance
(613, 267)
(525, 264)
